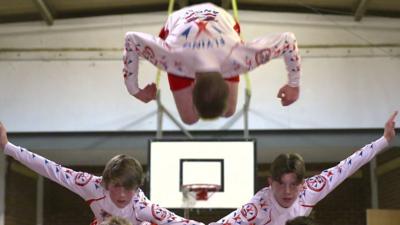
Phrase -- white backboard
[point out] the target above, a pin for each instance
(228, 163)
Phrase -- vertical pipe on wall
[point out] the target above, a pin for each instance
(39, 201)
(374, 185)
(3, 168)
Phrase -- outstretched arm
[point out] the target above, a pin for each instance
(256, 212)
(276, 46)
(132, 52)
(317, 187)
(151, 212)
(286, 46)
(80, 183)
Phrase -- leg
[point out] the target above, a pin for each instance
(184, 104)
(232, 98)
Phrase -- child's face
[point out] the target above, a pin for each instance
(287, 190)
(119, 195)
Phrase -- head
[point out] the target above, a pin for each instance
(300, 220)
(210, 95)
(287, 178)
(116, 221)
(122, 176)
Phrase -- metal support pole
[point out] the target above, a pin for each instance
(246, 114)
(3, 168)
(186, 213)
(159, 115)
(39, 200)
(374, 184)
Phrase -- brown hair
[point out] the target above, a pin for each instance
(288, 163)
(114, 220)
(210, 94)
(124, 170)
(300, 220)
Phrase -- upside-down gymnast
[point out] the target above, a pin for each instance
(201, 49)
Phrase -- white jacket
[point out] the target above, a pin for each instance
(139, 210)
(204, 38)
(263, 209)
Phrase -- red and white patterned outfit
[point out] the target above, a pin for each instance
(204, 38)
(263, 209)
(86, 185)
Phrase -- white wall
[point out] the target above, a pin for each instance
(67, 77)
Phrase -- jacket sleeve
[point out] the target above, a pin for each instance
(317, 187)
(255, 212)
(84, 184)
(279, 45)
(151, 212)
(131, 65)
(149, 47)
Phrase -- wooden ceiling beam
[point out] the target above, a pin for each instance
(360, 10)
(44, 11)
(183, 3)
(226, 4)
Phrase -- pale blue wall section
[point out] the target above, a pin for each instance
(78, 86)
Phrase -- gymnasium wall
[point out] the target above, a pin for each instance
(67, 77)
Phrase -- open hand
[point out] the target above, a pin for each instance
(147, 94)
(390, 125)
(3, 136)
(288, 94)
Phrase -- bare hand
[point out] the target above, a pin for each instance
(3, 137)
(390, 125)
(147, 94)
(288, 94)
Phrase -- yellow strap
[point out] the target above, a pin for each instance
(170, 7)
(235, 10)
(158, 78)
(236, 16)
(170, 10)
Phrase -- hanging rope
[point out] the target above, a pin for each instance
(171, 6)
(170, 10)
(236, 16)
(161, 109)
(246, 105)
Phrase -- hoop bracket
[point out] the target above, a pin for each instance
(203, 191)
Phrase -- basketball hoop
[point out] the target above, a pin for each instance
(202, 191)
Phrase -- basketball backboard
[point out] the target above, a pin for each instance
(229, 164)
